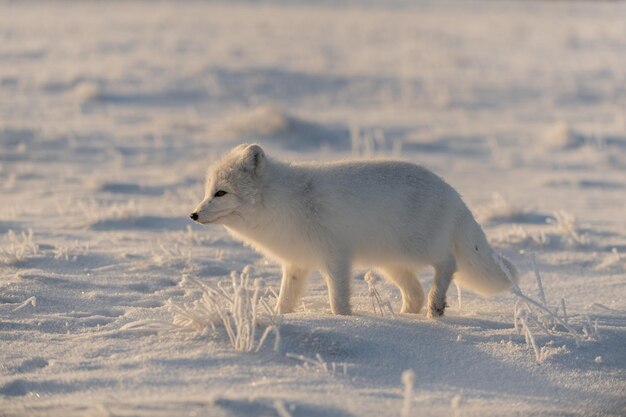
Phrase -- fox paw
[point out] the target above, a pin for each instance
(436, 311)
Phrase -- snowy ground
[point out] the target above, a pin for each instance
(111, 112)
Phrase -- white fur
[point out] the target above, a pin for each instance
(396, 216)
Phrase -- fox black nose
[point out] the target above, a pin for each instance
(194, 216)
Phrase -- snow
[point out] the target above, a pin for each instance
(110, 114)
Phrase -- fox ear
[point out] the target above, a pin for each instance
(254, 159)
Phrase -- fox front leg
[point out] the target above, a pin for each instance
(292, 287)
(437, 295)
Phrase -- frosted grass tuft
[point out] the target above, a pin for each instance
(378, 305)
(18, 247)
(567, 226)
(545, 319)
(239, 307)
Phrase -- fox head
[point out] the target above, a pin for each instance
(233, 186)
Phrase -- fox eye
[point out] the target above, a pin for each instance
(220, 193)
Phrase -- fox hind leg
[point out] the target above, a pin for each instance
(437, 295)
(337, 275)
(292, 287)
(410, 288)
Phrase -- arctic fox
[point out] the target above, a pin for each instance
(395, 216)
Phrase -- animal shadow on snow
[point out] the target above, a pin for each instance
(265, 408)
(377, 350)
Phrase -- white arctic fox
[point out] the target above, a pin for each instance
(395, 216)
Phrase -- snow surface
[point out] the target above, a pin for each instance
(111, 112)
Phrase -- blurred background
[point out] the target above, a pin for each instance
(148, 93)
